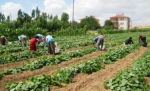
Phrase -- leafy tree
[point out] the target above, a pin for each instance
(20, 13)
(33, 13)
(8, 18)
(37, 11)
(26, 17)
(0, 17)
(108, 25)
(3, 18)
(64, 20)
(91, 23)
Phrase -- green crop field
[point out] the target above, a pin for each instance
(79, 67)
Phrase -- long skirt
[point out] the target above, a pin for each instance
(51, 47)
(3, 40)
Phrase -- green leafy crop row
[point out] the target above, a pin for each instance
(42, 82)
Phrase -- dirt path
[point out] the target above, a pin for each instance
(21, 62)
(46, 69)
(94, 82)
(49, 69)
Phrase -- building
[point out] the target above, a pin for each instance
(120, 21)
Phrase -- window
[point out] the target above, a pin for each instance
(121, 23)
(121, 18)
(121, 27)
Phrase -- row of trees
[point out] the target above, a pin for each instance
(26, 24)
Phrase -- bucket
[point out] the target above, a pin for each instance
(57, 50)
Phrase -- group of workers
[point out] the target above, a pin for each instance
(50, 42)
(98, 42)
(141, 40)
(33, 43)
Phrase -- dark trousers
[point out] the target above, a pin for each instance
(51, 47)
(143, 41)
(3, 40)
(100, 43)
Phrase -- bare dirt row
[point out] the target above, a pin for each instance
(94, 81)
(48, 69)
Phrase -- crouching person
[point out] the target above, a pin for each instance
(128, 41)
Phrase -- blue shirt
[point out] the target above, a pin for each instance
(49, 38)
(20, 37)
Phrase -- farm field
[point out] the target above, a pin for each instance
(79, 67)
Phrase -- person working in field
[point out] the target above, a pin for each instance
(142, 40)
(51, 44)
(41, 37)
(34, 43)
(23, 40)
(99, 40)
(129, 41)
(3, 40)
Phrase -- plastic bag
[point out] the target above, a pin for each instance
(103, 47)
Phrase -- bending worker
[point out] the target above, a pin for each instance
(41, 37)
(23, 40)
(99, 41)
(142, 40)
(51, 44)
(34, 43)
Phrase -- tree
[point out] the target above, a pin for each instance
(37, 11)
(20, 13)
(26, 17)
(64, 20)
(0, 17)
(3, 18)
(91, 23)
(33, 13)
(8, 18)
(108, 25)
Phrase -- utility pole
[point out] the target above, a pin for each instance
(73, 16)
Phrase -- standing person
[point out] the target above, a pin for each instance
(129, 41)
(51, 44)
(142, 40)
(34, 43)
(23, 40)
(99, 42)
(3, 40)
(41, 37)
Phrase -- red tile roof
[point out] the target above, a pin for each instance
(119, 16)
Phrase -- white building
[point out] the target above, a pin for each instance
(120, 21)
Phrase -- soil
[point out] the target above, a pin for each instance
(147, 80)
(94, 82)
(21, 62)
(82, 82)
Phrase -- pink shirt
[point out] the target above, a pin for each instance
(101, 36)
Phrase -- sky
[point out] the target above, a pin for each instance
(137, 10)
